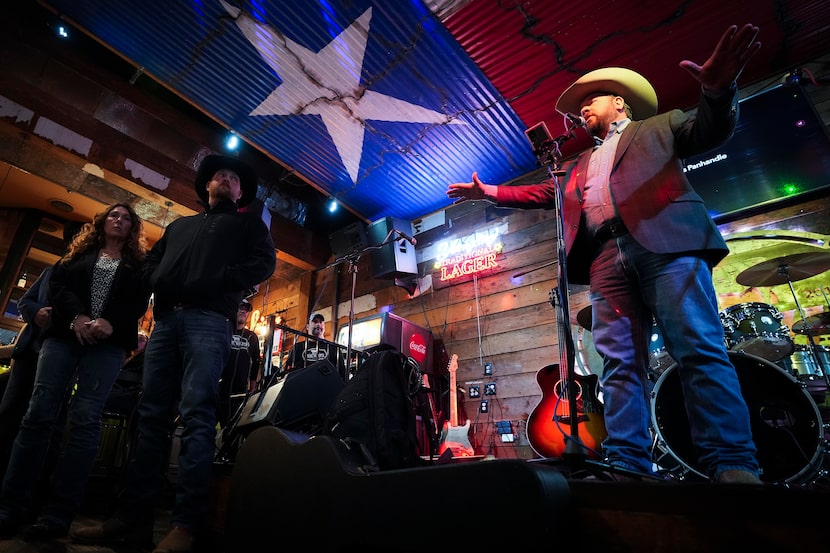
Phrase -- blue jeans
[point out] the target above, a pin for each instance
(60, 362)
(183, 362)
(629, 286)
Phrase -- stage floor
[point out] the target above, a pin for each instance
(592, 515)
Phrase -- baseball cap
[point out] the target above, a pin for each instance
(245, 305)
(317, 316)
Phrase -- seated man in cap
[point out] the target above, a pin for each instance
(638, 233)
(315, 348)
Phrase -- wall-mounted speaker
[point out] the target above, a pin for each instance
(348, 240)
(396, 258)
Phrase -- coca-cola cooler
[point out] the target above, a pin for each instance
(389, 329)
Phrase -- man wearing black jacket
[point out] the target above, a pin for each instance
(198, 272)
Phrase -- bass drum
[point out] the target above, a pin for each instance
(786, 424)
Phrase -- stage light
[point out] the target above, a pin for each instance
(332, 205)
(232, 142)
(61, 30)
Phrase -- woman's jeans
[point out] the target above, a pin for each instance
(83, 375)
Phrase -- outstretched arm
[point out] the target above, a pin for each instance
(476, 190)
(728, 60)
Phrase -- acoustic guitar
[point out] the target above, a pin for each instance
(549, 424)
(455, 437)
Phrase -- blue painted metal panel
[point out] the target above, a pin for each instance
(374, 103)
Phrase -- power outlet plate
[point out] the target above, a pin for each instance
(490, 389)
(488, 369)
(475, 391)
(485, 406)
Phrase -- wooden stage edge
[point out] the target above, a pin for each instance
(502, 505)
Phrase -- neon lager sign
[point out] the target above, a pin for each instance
(459, 257)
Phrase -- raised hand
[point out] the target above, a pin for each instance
(476, 190)
(728, 60)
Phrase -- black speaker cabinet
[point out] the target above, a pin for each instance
(298, 401)
(350, 239)
(396, 259)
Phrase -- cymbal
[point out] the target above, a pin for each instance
(816, 324)
(776, 271)
(584, 317)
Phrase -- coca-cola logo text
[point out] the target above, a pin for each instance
(417, 348)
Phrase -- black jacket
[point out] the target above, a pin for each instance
(209, 260)
(69, 296)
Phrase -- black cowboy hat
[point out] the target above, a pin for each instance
(211, 164)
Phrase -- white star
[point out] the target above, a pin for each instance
(327, 84)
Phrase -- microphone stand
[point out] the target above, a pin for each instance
(353, 258)
(549, 153)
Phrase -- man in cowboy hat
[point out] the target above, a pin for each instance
(198, 272)
(638, 233)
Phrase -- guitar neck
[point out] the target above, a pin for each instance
(453, 367)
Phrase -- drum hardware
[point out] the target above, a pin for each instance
(756, 328)
(817, 325)
(786, 424)
(786, 270)
(804, 366)
(585, 318)
(658, 357)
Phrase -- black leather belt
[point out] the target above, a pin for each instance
(609, 230)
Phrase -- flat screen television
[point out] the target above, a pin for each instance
(780, 153)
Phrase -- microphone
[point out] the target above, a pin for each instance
(576, 120)
(405, 237)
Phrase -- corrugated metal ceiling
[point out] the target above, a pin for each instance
(382, 104)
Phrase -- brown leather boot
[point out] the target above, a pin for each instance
(177, 540)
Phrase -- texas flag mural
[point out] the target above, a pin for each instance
(375, 103)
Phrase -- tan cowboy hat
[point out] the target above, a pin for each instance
(633, 87)
(211, 164)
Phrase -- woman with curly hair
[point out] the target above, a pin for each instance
(97, 299)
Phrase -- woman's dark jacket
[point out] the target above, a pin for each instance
(69, 296)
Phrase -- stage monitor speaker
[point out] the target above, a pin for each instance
(395, 259)
(297, 402)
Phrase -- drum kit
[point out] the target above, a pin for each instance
(783, 383)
